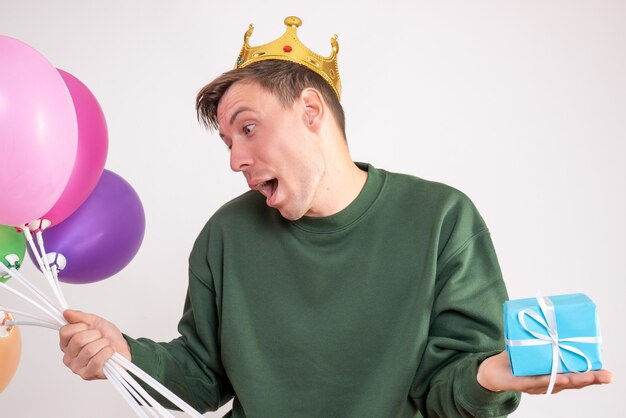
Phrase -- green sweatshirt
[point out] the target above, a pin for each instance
(382, 310)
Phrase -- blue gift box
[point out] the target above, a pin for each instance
(528, 341)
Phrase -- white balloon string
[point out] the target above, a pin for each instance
(36, 292)
(31, 244)
(26, 283)
(53, 272)
(26, 314)
(31, 323)
(135, 396)
(123, 376)
(160, 409)
(155, 409)
(17, 276)
(120, 388)
(38, 257)
(42, 252)
(115, 374)
(56, 317)
(55, 275)
(122, 361)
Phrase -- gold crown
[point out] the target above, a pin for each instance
(289, 48)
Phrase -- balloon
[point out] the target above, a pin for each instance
(11, 243)
(38, 133)
(102, 236)
(91, 153)
(10, 350)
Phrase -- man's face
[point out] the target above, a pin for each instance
(273, 147)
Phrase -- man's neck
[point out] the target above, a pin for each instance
(342, 183)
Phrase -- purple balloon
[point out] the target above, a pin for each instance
(103, 235)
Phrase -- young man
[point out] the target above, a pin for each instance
(331, 289)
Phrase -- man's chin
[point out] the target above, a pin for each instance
(290, 215)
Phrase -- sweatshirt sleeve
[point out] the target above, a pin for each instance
(189, 365)
(466, 325)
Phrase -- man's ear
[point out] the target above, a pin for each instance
(314, 107)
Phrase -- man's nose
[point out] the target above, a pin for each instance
(240, 157)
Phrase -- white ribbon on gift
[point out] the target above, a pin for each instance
(547, 308)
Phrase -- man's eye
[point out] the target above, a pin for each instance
(248, 129)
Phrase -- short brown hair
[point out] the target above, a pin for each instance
(284, 79)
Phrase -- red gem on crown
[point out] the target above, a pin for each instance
(287, 48)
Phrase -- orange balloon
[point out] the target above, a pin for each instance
(10, 349)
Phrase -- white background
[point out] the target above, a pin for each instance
(520, 104)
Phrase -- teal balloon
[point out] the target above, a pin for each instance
(12, 242)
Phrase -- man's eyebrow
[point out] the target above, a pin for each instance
(237, 112)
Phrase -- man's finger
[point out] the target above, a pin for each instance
(93, 370)
(603, 376)
(67, 332)
(73, 317)
(564, 381)
(91, 350)
(80, 340)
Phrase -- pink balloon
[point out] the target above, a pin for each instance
(38, 133)
(91, 153)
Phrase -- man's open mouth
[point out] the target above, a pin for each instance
(267, 188)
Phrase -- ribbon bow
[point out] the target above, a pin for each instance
(552, 337)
